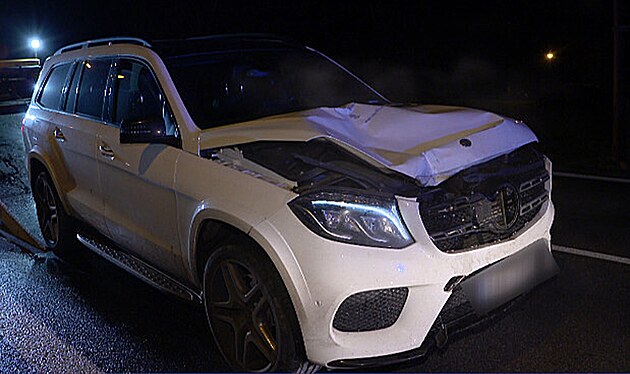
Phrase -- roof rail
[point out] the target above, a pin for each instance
(103, 41)
(237, 36)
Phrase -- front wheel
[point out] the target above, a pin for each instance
(250, 314)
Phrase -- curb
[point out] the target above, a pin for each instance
(14, 233)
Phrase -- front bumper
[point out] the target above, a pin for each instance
(475, 299)
(320, 274)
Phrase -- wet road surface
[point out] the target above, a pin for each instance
(58, 317)
(15, 191)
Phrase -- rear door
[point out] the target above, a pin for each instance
(137, 180)
(77, 136)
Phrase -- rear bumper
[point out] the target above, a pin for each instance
(480, 297)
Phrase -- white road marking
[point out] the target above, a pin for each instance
(597, 255)
(590, 177)
(37, 344)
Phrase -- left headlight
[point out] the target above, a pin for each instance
(350, 218)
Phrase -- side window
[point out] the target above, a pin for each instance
(92, 88)
(138, 99)
(51, 92)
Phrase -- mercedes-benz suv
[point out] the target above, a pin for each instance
(317, 222)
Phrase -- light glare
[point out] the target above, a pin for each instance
(36, 43)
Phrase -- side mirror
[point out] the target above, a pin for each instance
(149, 130)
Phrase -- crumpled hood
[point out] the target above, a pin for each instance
(423, 142)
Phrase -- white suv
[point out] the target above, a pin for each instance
(317, 222)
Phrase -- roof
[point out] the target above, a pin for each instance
(220, 43)
(192, 46)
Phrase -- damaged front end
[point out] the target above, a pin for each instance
(313, 165)
(341, 197)
(345, 198)
(481, 205)
(487, 203)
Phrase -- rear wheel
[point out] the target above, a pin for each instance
(250, 313)
(56, 226)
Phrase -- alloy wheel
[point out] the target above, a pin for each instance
(242, 317)
(47, 210)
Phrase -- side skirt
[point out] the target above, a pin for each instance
(139, 268)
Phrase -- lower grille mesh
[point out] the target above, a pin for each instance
(456, 311)
(370, 310)
(456, 308)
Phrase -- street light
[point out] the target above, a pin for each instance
(35, 44)
(550, 56)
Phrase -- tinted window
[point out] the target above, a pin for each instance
(230, 87)
(51, 93)
(138, 97)
(92, 87)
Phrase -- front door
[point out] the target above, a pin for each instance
(137, 180)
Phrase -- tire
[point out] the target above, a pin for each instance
(250, 313)
(57, 226)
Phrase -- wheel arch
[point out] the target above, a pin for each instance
(37, 161)
(230, 229)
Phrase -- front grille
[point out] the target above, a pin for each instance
(370, 310)
(487, 203)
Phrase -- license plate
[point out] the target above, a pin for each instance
(510, 277)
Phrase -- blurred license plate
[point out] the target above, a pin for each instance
(510, 277)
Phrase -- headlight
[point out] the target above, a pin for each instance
(365, 220)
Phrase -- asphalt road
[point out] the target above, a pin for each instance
(57, 317)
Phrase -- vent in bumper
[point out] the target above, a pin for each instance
(456, 310)
(487, 203)
(370, 310)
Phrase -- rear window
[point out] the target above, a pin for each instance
(51, 92)
(92, 87)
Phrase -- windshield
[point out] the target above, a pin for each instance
(229, 87)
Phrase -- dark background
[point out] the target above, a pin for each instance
(485, 54)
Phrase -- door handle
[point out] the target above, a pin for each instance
(106, 151)
(59, 134)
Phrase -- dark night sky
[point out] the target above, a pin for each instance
(494, 37)
(433, 32)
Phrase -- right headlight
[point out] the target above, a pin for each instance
(351, 218)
